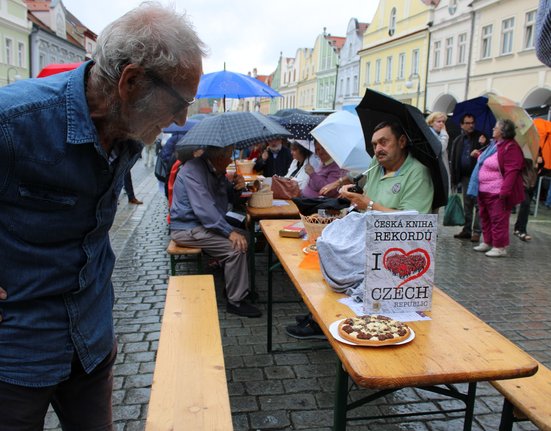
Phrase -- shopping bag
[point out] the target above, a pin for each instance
(453, 213)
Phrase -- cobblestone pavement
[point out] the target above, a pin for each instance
(295, 390)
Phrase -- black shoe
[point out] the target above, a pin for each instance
(462, 235)
(302, 317)
(243, 309)
(306, 330)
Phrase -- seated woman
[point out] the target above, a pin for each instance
(327, 173)
(301, 158)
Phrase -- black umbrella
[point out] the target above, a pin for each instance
(289, 111)
(424, 145)
(300, 125)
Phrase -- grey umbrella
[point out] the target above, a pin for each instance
(239, 129)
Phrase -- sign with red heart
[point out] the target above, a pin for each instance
(400, 262)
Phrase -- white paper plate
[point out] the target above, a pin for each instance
(334, 329)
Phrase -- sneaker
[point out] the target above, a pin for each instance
(462, 235)
(482, 247)
(243, 309)
(308, 329)
(497, 252)
(475, 237)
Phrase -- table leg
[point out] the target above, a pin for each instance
(341, 397)
(469, 407)
(252, 280)
(269, 304)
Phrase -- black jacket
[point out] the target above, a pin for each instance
(454, 156)
(278, 166)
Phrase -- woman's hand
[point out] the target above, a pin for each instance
(238, 182)
(309, 169)
(475, 153)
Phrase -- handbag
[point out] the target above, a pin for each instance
(453, 213)
(529, 174)
(285, 188)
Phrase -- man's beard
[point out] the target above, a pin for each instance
(127, 127)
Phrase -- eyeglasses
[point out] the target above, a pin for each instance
(182, 103)
(467, 123)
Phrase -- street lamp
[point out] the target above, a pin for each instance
(15, 77)
(409, 84)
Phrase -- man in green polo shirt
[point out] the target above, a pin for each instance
(395, 179)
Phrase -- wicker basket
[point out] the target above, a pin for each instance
(245, 167)
(314, 225)
(262, 199)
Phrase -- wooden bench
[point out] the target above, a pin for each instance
(180, 254)
(526, 399)
(189, 390)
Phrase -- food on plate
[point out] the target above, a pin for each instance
(373, 330)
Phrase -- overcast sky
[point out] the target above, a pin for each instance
(244, 33)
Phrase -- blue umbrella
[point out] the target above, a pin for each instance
(233, 85)
(478, 107)
(240, 129)
(175, 128)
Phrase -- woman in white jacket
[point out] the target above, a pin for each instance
(302, 155)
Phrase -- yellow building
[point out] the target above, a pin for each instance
(393, 59)
(306, 87)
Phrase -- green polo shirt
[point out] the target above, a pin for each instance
(410, 188)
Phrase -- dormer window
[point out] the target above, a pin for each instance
(452, 7)
(392, 22)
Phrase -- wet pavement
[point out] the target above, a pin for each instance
(294, 390)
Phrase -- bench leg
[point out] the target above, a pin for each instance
(172, 265)
(469, 407)
(341, 398)
(507, 416)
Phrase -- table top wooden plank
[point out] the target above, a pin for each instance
(189, 389)
(274, 212)
(455, 346)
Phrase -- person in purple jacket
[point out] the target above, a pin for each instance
(327, 173)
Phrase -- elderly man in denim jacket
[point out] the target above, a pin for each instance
(66, 143)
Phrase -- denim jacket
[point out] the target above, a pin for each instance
(58, 197)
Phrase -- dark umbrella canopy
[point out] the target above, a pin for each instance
(300, 125)
(424, 145)
(289, 111)
(483, 115)
(240, 129)
(175, 128)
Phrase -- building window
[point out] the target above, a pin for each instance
(41, 61)
(388, 76)
(367, 73)
(378, 71)
(449, 51)
(486, 49)
(20, 54)
(401, 65)
(392, 22)
(355, 85)
(348, 86)
(507, 27)
(529, 24)
(415, 61)
(436, 57)
(452, 7)
(462, 48)
(9, 51)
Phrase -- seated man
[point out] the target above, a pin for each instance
(274, 160)
(395, 181)
(198, 219)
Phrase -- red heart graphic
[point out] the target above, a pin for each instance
(408, 266)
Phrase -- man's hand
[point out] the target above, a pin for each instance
(3, 295)
(239, 241)
(238, 182)
(357, 200)
(265, 155)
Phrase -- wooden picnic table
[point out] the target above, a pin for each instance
(453, 347)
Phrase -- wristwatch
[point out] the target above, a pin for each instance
(370, 206)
